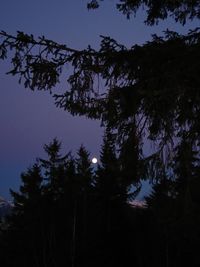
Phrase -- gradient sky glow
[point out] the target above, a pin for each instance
(28, 119)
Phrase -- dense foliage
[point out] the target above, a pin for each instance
(181, 11)
(151, 91)
(68, 213)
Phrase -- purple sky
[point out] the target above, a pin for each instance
(28, 119)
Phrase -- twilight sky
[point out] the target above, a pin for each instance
(28, 119)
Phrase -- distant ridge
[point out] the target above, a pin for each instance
(138, 204)
(5, 207)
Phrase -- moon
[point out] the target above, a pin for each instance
(94, 160)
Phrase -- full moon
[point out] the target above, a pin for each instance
(94, 160)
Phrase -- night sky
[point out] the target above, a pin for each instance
(29, 119)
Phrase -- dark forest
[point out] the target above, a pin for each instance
(69, 213)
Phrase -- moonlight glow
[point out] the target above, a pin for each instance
(94, 160)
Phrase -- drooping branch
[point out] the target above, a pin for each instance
(180, 11)
(159, 80)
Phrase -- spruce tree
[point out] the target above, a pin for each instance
(30, 190)
(54, 168)
(111, 205)
(23, 236)
(108, 181)
(84, 169)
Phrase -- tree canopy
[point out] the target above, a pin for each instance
(152, 88)
(181, 11)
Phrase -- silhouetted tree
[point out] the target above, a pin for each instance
(54, 168)
(30, 190)
(110, 199)
(174, 204)
(107, 181)
(84, 169)
(22, 234)
(180, 11)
